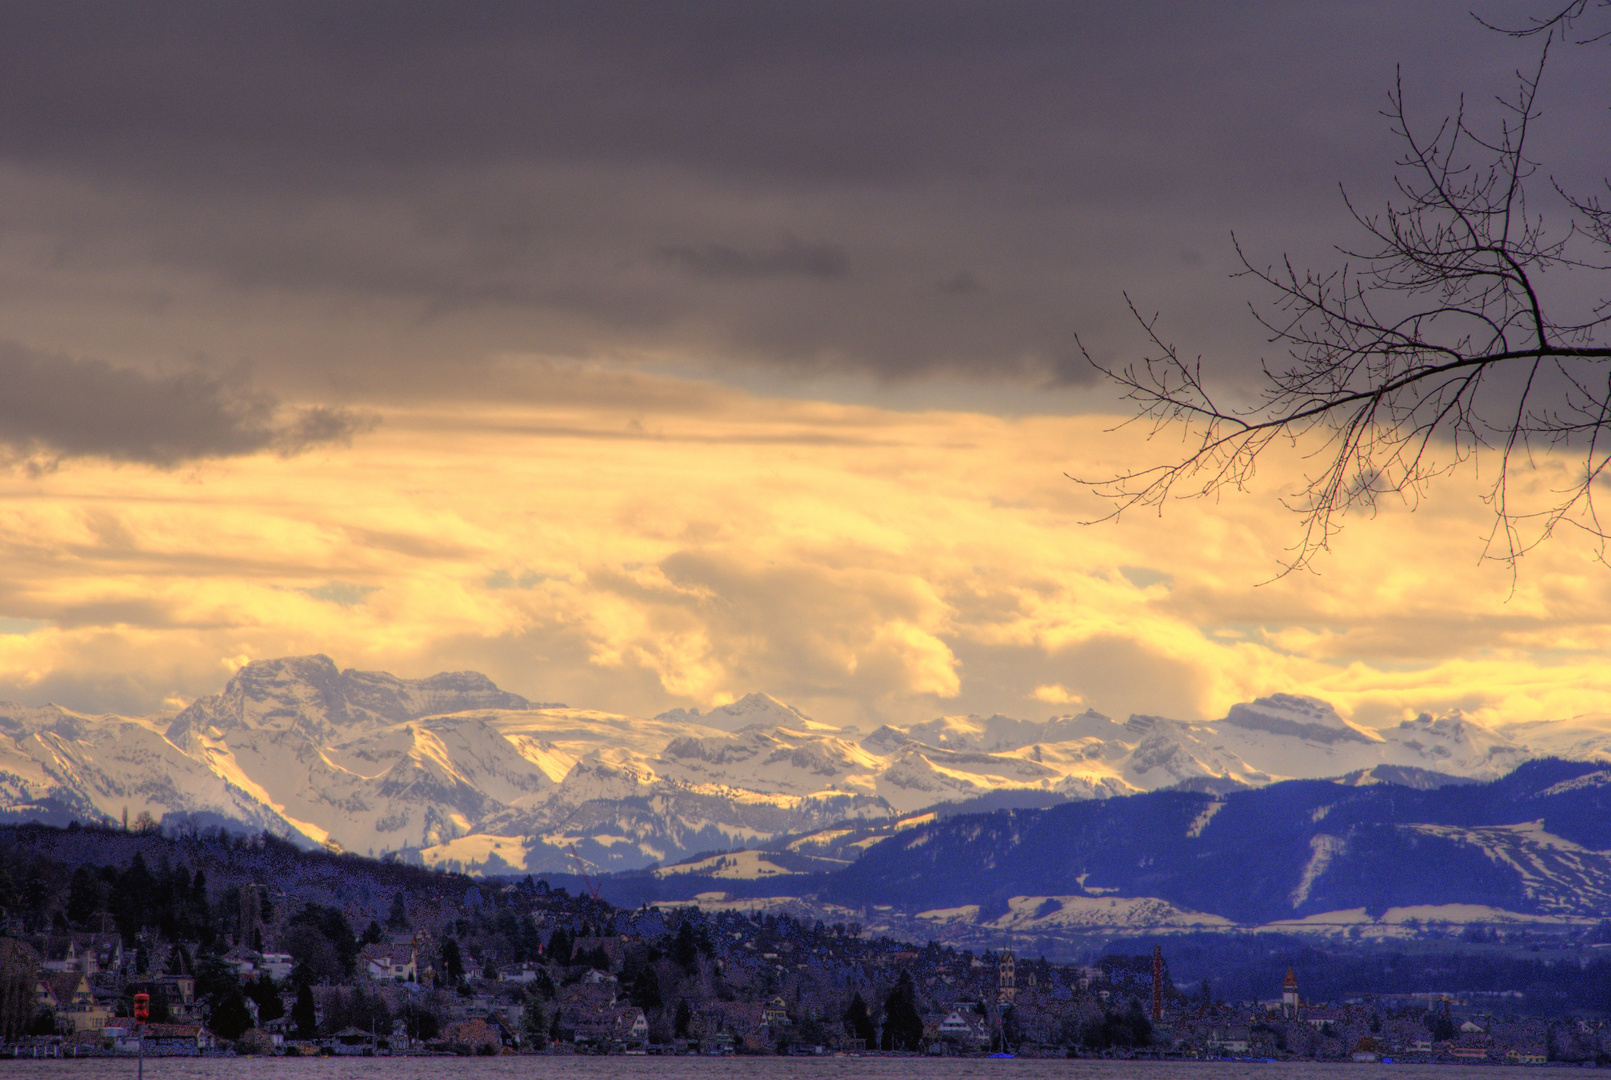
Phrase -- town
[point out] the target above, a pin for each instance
(250, 946)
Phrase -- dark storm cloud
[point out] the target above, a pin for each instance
(54, 407)
(598, 179)
(791, 258)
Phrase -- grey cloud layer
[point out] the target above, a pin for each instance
(54, 407)
(891, 189)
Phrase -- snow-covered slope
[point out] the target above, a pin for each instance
(463, 773)
(752, 710)
(1582, 738)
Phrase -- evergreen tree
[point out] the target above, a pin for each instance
(398, 919)
(303, 1014)
(531, 940)
(202, 910)
(903, 1024)
(19, 972)
(263, 991)
(452, 961)
(685, 949)
(332, 923)
(646, 989)
(231, 1019)
(858, 1024)
(84, 896)
(559, 946)
(685, 1016)
(533, 1020)
(132, 899)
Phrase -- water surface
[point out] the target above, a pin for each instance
(733, 1068)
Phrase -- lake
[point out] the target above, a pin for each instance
(749, 1068)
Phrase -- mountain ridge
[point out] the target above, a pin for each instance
(451, 769)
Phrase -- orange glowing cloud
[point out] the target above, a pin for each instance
(695, 543)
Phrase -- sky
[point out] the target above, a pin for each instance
(647, 355)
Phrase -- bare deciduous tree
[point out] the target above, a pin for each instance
(1434, 342)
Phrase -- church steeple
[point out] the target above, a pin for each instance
(1006, 981)
(1289, 994)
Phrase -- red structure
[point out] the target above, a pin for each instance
(581, 870)
(1157, 982)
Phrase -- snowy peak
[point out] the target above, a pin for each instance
(368, 760)
(1454, 742)
(1301, 717)
(993, 734)
(973, 733)
(21, 721)
(1582, 738)
(310, 695)
(749, 711)
(773, 760)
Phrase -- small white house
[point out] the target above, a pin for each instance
(277, 964)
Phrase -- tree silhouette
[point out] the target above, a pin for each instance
(1435, 342)
(304, 1015)
(398, 918)
(858, 1023)
(903, 1023)
(452, 960)
(231, 1019)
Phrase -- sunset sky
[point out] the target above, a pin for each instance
(646, 355)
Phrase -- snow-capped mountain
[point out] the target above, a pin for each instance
(752, 710)
(1582, 738)
(453, 770)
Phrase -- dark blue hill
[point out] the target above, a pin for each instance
(1536, 841)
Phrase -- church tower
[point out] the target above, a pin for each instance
(1006, 985)
(1289, 995)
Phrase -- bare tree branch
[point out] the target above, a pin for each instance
(1432, 345)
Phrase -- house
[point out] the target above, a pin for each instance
(612, 1024)
(775, 1012)
(61, 955)
(1319, 1018)
(277, 964)
(82, 1008)
(45, 998)
(519, 973)
(964, 1026)
(583, 995)
(350, 1042)
(397, 963)
(177, 1040)
(180, 991)
(1232, 1039)
(737, 1018)
(121, 1039)
(244, 961)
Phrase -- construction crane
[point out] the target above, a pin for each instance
(581, 870)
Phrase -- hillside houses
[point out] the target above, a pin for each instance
(520, 967)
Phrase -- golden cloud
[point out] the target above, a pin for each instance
(868, 565)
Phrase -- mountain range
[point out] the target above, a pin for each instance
(1363, 858)
(453, 771)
